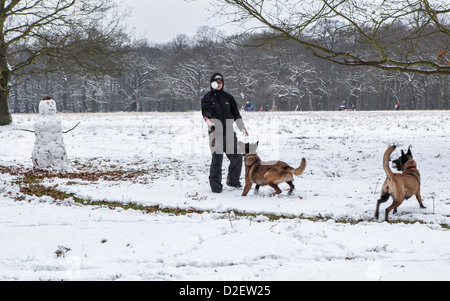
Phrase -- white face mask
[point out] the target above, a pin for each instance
(214, 85)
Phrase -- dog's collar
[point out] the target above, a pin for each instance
(411, 167)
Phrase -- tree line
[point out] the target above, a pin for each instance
(279, 75)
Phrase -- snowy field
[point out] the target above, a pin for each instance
(327, 230)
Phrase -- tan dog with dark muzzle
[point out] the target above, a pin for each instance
(267, 173)
(400, 186)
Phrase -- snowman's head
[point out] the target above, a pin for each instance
(47, 106)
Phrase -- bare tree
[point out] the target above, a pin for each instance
(138, 78)
(236, 63)
(189, 82)
(398, 35)
(36, 34)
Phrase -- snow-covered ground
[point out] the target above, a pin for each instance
(45, 239)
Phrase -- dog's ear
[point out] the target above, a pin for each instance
(409, 153)
(403, 153)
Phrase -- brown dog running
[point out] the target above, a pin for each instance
(400, 186)
(267, 173)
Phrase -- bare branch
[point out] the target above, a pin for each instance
(397, 33)
(71, 129)
(31, 131)
(24, 130)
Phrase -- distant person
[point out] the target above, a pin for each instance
(248, 106)
(397, 106)
(218, 107)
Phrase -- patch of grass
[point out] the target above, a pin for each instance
(31, 184)
(40, 190)
(445, 226)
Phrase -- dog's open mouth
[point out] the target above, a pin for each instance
(396, 165)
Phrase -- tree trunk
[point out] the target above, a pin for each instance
(84, 107)
(445, 94)
(5, 114)
(16, 102)
(274, 103)
(65, 96)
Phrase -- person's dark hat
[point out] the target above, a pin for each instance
(214, 78)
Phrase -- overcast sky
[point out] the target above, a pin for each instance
(161, 21)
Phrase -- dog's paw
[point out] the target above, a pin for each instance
(275, 194)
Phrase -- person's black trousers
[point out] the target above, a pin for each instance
(234, 169)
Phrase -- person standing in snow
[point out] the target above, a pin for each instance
(220, 111)
(248, 106)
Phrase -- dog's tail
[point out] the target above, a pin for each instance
(300, 169)
(386, 157)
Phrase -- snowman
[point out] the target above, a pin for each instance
(49, 152)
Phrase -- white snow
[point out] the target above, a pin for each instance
(342, 181)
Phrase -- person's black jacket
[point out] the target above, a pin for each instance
(222, 106)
